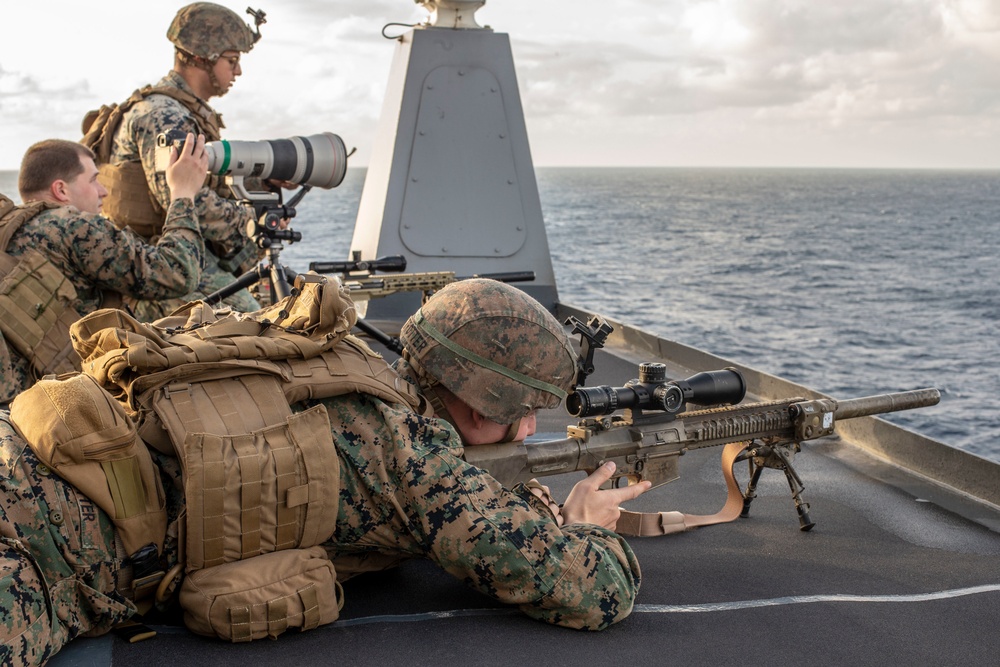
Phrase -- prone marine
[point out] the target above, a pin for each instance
(300, 459)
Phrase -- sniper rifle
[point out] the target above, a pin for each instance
(655, 430)
(369, 285)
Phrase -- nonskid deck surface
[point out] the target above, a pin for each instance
(883, 576)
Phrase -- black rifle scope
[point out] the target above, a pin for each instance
(386, 264)
(652, 391)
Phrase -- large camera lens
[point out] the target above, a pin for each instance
(319, 160)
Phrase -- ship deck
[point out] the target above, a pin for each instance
(898, 568)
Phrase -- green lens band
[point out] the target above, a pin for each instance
(427, 328)
(226, 156)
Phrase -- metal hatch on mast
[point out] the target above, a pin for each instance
(451, 184)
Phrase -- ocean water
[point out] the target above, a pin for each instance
(853, 282)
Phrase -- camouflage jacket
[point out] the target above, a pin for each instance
(60, 570)
(95, 255)
(58, 566)
(223, 221)
(407, 493)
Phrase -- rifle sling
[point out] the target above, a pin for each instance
(648, 524)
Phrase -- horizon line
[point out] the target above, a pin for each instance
(716, 166)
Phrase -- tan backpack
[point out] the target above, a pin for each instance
(261, 482)
(81, 433)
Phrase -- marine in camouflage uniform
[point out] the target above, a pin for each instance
(59, 225)
(405, 490)
(60, 570)
(223, 220)
(199, 31)
(96, 256)
(407, 493)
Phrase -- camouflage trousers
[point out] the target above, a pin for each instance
(58, 565)
(406, 493)
(213, 278)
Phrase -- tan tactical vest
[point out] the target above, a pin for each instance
(84, 435)
(261, 482)
(36, 299)
(129, 201)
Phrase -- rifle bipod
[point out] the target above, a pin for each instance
(778, 457)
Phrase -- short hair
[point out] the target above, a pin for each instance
(48, 161)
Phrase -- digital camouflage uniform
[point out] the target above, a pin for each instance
(9, 385)
(223, 221)
(59, 568)
(96, 256)
(406, 493)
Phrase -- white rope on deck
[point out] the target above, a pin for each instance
(689, 608)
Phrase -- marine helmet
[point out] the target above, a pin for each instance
(493, 346)
(207, 30)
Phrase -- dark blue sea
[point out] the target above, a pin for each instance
(853, 282)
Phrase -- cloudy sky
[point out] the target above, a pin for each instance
(850, 83)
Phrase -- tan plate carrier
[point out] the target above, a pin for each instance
(215, 389)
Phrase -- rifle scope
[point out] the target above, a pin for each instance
(387, 264)
(652, 391)
(318, 160)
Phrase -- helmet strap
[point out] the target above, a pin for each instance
(512, 432)
(191, 60)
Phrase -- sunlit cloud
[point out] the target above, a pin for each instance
(639, 77)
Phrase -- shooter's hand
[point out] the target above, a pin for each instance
(587, 503)
(187, 168)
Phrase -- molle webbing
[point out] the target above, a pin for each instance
(36, 299)
(350, 366)
(263, 596)
(129, 203)
(215, 390)
(239, 433)
(84, 435)
(261, 483)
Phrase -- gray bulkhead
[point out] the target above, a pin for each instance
(451, 184)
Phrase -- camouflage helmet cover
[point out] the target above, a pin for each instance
(493, 346)
(208, 30)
